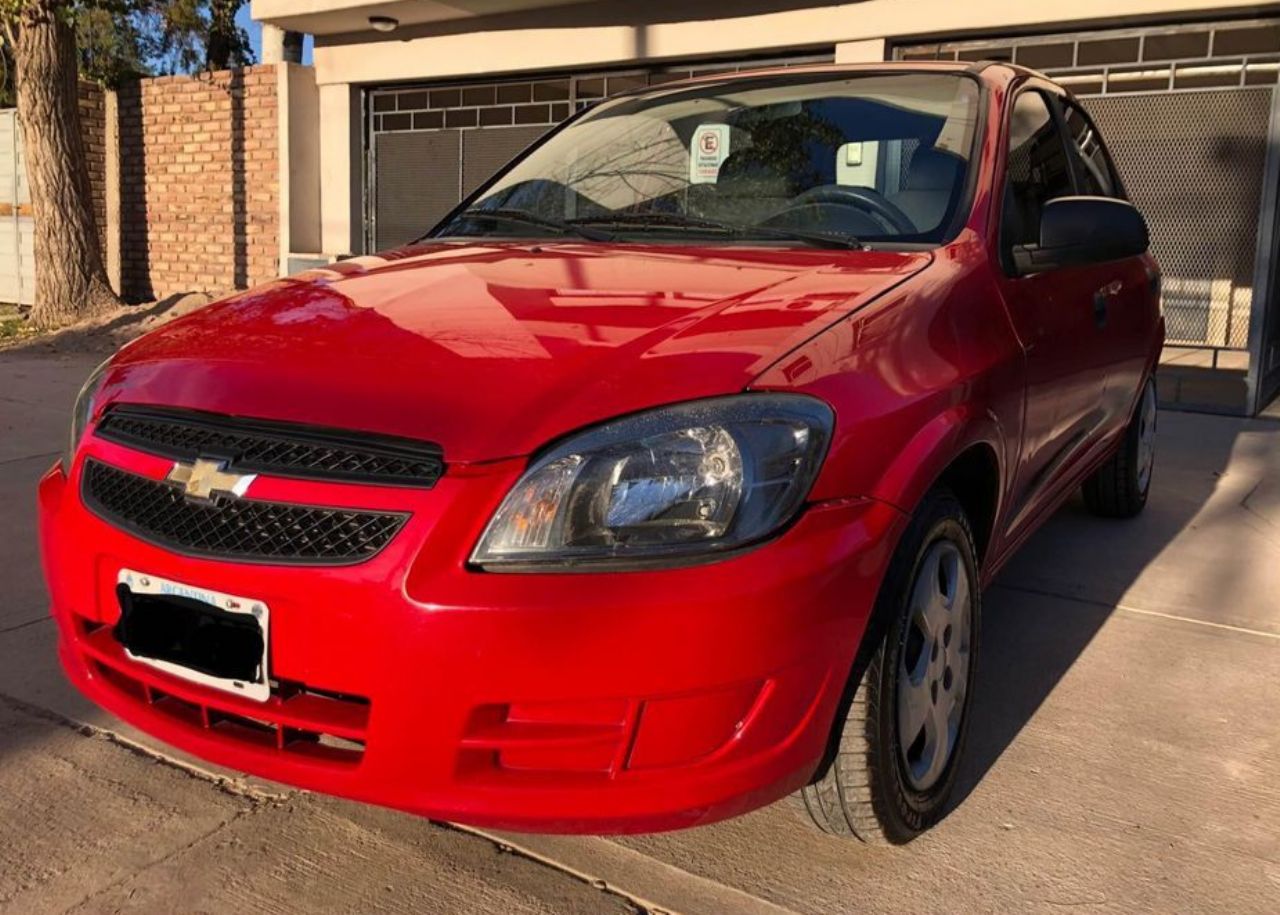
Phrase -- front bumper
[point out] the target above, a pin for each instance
(595, 702)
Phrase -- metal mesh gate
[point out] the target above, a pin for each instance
(417, 183)
(1187, 111)
(422, 174)
(1193, 163)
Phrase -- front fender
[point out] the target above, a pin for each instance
(916, 379)
(927, 455)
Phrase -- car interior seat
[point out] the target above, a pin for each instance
(933, 183)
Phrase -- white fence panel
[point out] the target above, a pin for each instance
(17, 230)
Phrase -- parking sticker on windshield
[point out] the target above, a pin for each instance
(709, 149)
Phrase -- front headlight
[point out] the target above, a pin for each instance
(83, 412)
(688, 480)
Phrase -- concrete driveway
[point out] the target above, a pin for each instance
(1125, 753)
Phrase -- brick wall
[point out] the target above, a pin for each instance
(93, 124)
(199, 182)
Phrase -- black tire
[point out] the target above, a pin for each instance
(1119, 488)
(863, 791)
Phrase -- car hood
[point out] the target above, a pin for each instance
(493, 350)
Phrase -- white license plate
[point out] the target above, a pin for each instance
(258, 689)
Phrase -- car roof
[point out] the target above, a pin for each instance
(993, 71)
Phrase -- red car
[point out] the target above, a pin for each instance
(659, 481)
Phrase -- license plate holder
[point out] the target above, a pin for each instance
(203, 636)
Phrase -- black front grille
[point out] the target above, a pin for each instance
(283, 449)
(230, 528)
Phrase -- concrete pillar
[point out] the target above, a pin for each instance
(272, 44)
(280, 46)
(283, 153)
(299, 161)
(866, 51)
(339, 194)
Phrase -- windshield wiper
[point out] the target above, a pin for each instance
(657, 221)
(821, 239)
(736, 230)
(524, 217)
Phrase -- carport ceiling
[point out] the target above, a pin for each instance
(328, 17)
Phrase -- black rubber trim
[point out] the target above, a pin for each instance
(285, 433)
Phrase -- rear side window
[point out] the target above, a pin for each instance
(1097, 178)
(1038, 170)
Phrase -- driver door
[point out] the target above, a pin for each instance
(1053, 312)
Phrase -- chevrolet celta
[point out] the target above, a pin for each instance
(657, 481)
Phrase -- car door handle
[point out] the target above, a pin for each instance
(1154, 279)
(1100, 308)
(1100, 299)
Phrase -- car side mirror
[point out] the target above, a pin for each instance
(1083, 230)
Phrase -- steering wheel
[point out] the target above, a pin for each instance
(867, 199)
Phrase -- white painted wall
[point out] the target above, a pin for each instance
(17, 228)
(863, 51)
(557, 39)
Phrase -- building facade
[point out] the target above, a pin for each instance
(411, 104)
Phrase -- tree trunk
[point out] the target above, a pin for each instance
(71, 282)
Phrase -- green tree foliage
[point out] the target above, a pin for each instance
(188, 35)
(118, 40)
(111, 47)
(227, 44)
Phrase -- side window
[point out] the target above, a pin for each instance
(1037, 168)
(1096, 176)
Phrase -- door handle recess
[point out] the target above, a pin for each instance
(1100, 299)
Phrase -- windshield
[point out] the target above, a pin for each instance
(815, 158)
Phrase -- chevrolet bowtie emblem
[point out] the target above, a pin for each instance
(203, 478)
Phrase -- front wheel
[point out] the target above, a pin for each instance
(893, 772)
(1119, 488)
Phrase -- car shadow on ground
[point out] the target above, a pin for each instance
(1087, 565)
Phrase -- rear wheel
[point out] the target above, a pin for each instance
(1119, 488)
(893, 771)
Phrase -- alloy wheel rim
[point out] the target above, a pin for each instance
(1146, 437)
(933, 665)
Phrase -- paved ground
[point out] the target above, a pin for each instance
(1125, 757)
